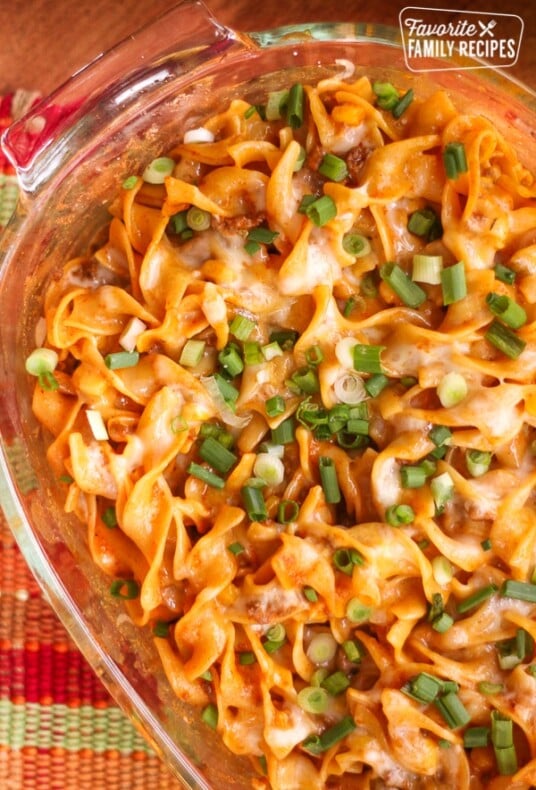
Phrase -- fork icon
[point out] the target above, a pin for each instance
(487, 28)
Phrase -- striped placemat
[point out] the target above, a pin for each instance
(59, 727)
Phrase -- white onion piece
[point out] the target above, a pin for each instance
(131, 333)
(199, 135)
(344, 351)
(350, 388)
(97, 425)
(226, 413)
(348, 68)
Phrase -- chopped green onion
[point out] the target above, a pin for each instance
(440, 434)
(285, 338)
(454, 159)
(271, 351)
(230, 360)
(367, 358)
(276, 632)
(357, 611)
(314, 356)
(486, 687)
(369, 285)
(346, 559)
(427, 269)
(408, 291)
(161, 629)
(453, 283)
(252, 353)
(295, 106)
(477, 462)
(262, 235)
(402, 104)
(198, 219)
(486, 544)
(209, 715)
(442, 489)
(121, 359)
(355, 244)
(504, 274)
(333, 167)
(305, 380)
(504, 339)
(521, 591)
(275, 406)
(311, 594)
(284, 432)
(109, 517)
(179, 224)
(216, 455)
(475, 737)
(251, 247)
(412, 476)
(205, 475)
(287, 511)
(501, 730)
(452, 389)
(335, 683)
(272, 646)
(246, 658)
(387, 94)
(506, 760)
(276, 103)
(300, 161)
(477, 598)
(442, 622)
(425, 223)
(321, 210)
(316, 744)
(396, 515)
(322, 648)
(158, 170)
(228, 392)
(236, 548)
(129, 182)
(423, 687)
(41, 363)
(353, 650)
(127, 589)
(313, 699)
(328, 479)
(241, 326)
(269, 468)
(505, 308)
(442, 570)
(318, 676)
(453, 710)
(192, 353)
(254, 503)
(375, 384)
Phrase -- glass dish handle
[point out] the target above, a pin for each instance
(185, 38)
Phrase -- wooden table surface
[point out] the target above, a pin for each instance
(42, 42)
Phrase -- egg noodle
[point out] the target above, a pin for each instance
(292, 396)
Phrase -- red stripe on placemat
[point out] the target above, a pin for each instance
(47, 675)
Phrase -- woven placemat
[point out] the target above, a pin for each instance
(59, 727)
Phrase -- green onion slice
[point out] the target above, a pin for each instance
(328, 479)
(355, 244)
(313, 699)
(505, 308)
(504, 339)
(158, 170)
(408, 291)
(453, 283)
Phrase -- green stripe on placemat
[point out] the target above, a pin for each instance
(72, 729)
(8, 197)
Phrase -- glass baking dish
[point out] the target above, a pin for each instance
(70, 152)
